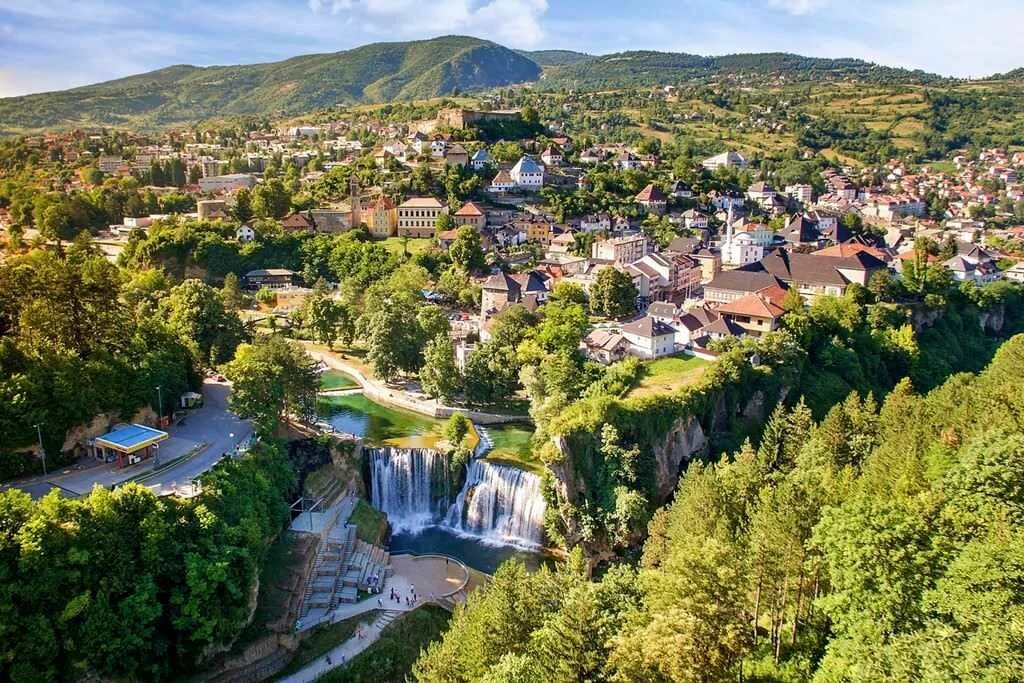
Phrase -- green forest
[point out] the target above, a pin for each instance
(129, 586)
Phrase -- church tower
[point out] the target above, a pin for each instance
(357, 212)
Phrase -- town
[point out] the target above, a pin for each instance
(697, 256)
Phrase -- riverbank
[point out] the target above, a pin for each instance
(400, 396)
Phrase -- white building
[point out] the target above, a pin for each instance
(695, 220)
(221, 183)
(743, 248)
(502, 183)
(621, 250)
(109, 163)
(481, 160)
(649, 338)
(596, 223)
(527, 174)
(1016, 273)
(802, 193)
(730, 158)
(245, 234)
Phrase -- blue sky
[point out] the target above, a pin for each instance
(54, 44)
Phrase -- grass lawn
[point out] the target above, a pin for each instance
(665, 375)
(413, 245)
(941, 166)
(324, 638)
(336, 379)
(399, 646)
(370, 523)
(512, 445)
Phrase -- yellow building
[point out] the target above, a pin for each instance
(381, 217)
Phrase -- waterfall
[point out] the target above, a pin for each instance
(499, 503)
(409, 485)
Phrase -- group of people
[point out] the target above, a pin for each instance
(410, 599)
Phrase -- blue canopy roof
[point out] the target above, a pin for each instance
(131, 438)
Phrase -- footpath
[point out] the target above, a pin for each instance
(401, 396)
(344, 653)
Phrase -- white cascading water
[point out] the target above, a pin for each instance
(499, 503)
(409, 485)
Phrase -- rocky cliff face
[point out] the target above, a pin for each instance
(100, 425)
(685, 441)
(992, 321)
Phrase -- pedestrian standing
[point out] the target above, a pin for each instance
(380, 603)
(328, 660)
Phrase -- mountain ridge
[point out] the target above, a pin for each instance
(182, 94)
(650, 67)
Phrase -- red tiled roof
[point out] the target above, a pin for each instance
(847, 249)
(296, 221)
(755, 305)
(469, 209)
(651, 193)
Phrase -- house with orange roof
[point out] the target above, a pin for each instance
(757, 312)
(848, 249)
(502, 183)
(652, 199)
(470, 214)
(297, 222)
(552, 156)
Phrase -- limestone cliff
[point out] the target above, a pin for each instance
(685, 441)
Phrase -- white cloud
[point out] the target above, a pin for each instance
(516, 22)
(799, 7)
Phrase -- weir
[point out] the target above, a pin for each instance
(497, 503)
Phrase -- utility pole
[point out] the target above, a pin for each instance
(39, 433)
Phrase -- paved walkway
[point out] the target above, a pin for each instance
(432, 576)
(344, 653)
(402, 396)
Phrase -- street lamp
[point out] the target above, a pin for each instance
(39, 433)
(160, 402)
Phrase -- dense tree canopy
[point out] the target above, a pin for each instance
(881, 543)
(126, 585)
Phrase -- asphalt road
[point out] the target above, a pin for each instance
(213, 424)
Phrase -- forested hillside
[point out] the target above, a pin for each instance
(882, 543)
(386, 72)
(608, 481)
(630, 69)
(555, 57)
(379, 72)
